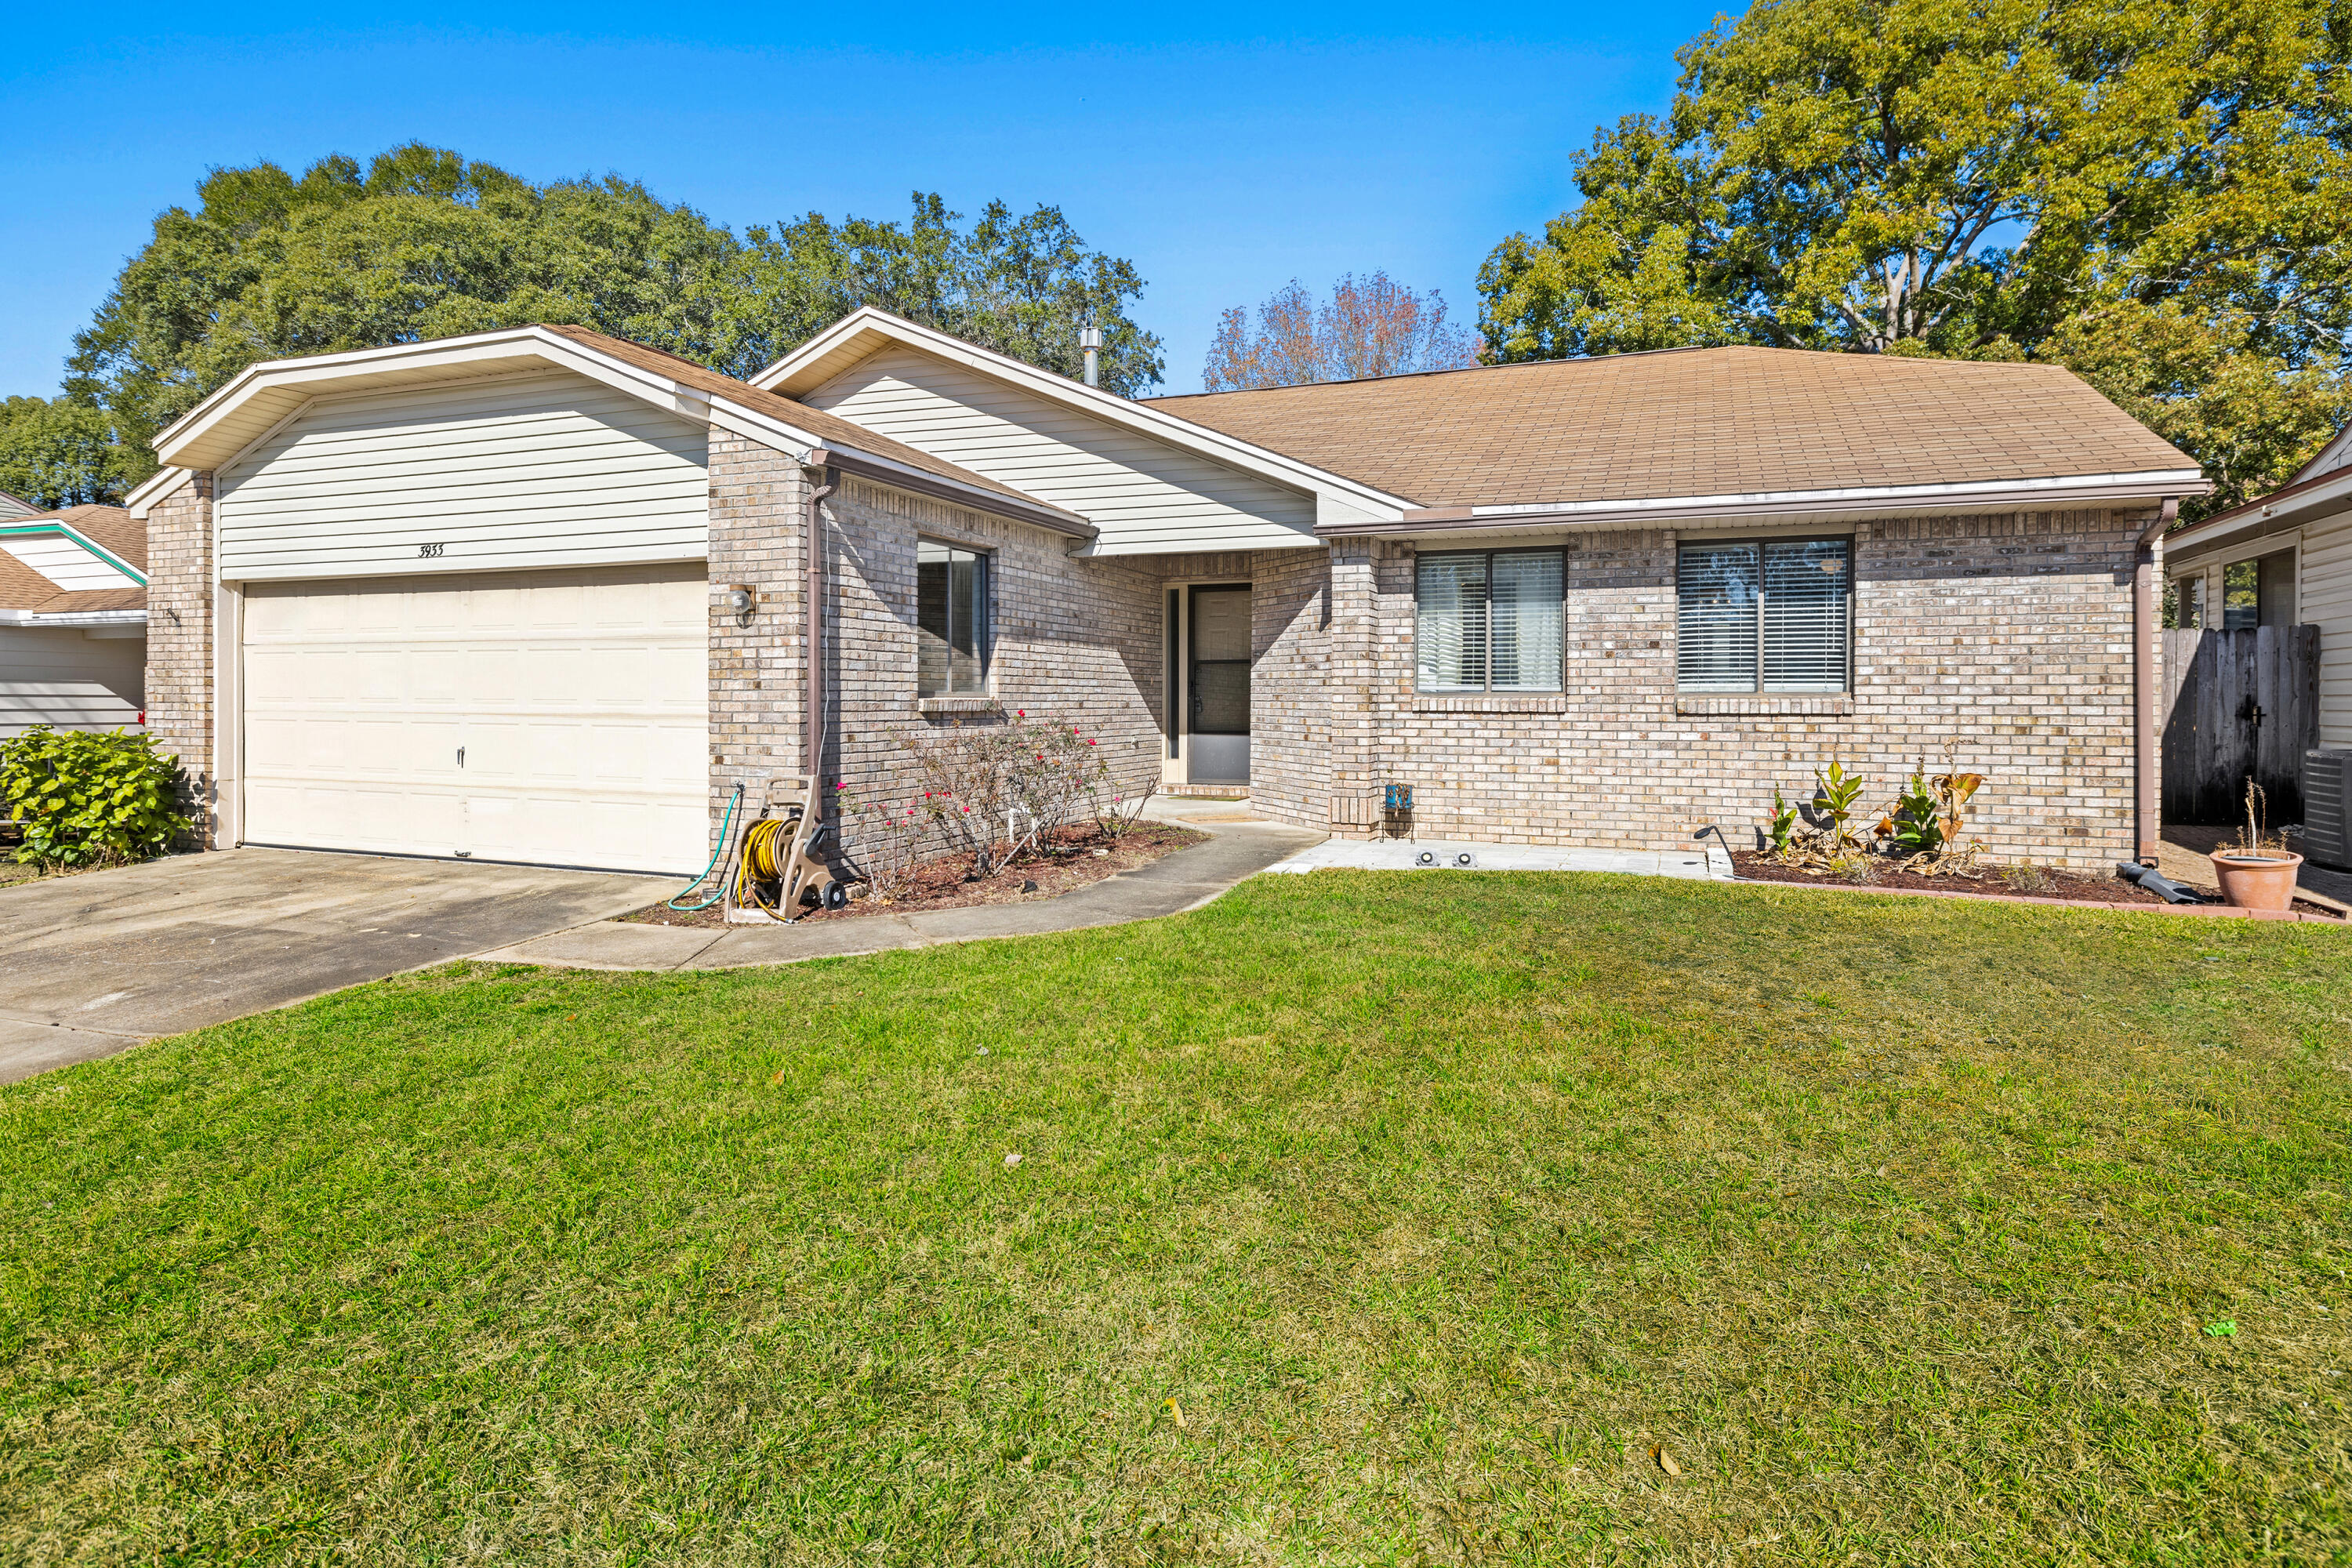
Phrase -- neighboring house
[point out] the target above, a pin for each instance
(2282, 559)
(15, 506)
(73, 619)
(479, 596)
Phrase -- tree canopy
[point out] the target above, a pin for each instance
(425, 243)
(2154, 193)
(57, 453)
(1368, 328)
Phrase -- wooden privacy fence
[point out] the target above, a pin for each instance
(2237, 703)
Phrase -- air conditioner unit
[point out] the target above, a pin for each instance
(2327, 807)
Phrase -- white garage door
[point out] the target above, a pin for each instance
(557, 718)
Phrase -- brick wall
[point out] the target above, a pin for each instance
(1290, 672)
(2007, 634)
(759, 511)
(180, 640)
(1073, 639)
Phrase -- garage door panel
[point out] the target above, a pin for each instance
(579, 698)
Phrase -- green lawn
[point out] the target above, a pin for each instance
(1437, 1205)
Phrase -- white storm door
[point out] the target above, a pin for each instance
(553, 717)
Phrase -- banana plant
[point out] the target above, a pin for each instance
(1928, 815)
(1781, 828)
(1915, 824)
(1834, 794)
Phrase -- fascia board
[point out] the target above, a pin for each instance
(51, 525)
(154, 487)
(1232, 451)
(68, 618)
(2264, 515)
(923, 482)
(1855, 502)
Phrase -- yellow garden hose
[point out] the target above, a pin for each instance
(765, 844)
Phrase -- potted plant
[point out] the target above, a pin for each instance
(2259, 871)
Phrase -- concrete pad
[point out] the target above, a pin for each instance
(1699, 863)
(188, 940)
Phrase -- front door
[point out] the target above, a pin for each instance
(1218, 685)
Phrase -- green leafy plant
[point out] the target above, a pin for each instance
(1915, 825)
(1781, 828)
(1928, 816)
(87, 799)
(1834, 794)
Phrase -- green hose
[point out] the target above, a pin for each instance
(719, 849)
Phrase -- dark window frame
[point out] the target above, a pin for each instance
(1852, 571)
(1559, 676)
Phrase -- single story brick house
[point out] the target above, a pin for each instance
(73, 618)
(542, 596)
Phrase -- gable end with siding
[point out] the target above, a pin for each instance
(493, 473)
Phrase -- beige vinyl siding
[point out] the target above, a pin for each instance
(2323, 599)
(549, 469)
(55, 675)
(1146, 497)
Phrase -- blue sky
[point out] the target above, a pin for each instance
(1222, 157)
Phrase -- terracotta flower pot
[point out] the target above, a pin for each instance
(2257, 881)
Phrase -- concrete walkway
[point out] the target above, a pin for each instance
(1242, 845)
(1700, 863)
(94, 964)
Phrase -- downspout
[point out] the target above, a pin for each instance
(813, 723)
(2147, 769)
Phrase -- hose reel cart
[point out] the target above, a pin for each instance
(781, 863)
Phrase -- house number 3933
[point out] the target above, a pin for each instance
(431, 549)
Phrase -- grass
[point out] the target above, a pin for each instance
(1438, 1206)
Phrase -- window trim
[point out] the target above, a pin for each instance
(985, 645)
(1559, 676)
(1852, 543)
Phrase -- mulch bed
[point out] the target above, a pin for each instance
(2053, 884)
(1069, 862)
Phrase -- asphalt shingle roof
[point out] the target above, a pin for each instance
(1690, 422)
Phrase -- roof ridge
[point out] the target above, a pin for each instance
(1848, 355)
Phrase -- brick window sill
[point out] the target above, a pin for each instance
(1489, 702)
(955, 705)
(1739, 704)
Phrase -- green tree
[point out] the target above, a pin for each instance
(57, 453)
(2153, 193)
(1022, 286)
(424, 243)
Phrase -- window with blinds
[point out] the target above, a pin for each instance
(950, 620)
(1488, 620)
(1770, 616)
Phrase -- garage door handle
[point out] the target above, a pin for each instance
(461, 756)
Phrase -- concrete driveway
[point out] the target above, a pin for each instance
(94, 964)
